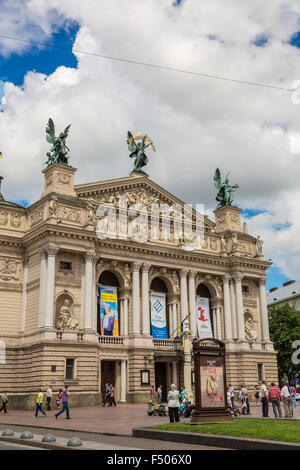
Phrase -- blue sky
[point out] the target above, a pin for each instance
(46, 60)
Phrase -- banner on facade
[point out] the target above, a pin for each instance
(158, 315)
(109, 317)
(203, 318)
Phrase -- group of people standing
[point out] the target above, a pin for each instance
(266, 395)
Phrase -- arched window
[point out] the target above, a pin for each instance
(108, 279)
(158, 286)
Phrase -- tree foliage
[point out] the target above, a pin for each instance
(284, 324)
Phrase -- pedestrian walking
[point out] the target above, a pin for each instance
(231, 392)
(107, 394)
(274, 396)
(65, 403)
(39, 404)
(58, 399)
(4, 400)
(159, 394)
(183, 395)
(287, 400)
(173, 404)
(49, 397)
(264, 399)
(112, 396)
(293, 396)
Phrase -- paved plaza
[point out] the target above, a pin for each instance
(116, 421)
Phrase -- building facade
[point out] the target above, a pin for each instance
(56, 254)
(289, 293)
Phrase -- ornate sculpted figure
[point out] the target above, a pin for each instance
(137, 150)
(235, 243)
(250, 333)
(259, 244)
(53, 206)
(66, 319)
(224, 196)
(58, 152)
(223, 243)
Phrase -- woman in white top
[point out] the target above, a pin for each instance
(173, 404)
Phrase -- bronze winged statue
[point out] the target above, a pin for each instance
(224, 196)
(59, 150)
(137, 150)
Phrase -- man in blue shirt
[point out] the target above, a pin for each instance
(107, 394)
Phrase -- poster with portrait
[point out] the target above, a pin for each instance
(158, 315)
(109, 318)
(203, 318)
(212, 382)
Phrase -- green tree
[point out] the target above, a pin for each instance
(284, 323)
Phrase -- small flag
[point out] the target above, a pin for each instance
(0, 154)
(180, 331)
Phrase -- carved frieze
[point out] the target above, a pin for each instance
(10, 269)
(68, 213)
(37, 216)
(3, 218)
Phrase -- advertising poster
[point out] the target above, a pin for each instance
(158, 315)
(203, 318)
(109, 318)
(212, 382)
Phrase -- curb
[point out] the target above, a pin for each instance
(32, 443)
(228, 442)
(65, 429)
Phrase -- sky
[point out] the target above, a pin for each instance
(197, 124)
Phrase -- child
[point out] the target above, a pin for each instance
(58, 399)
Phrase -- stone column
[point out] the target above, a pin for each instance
(263, 311)
(125, 313)
(187, 366)
(24, 294)
(121, 317)
(136, 323)
(192, 303)
(214, 315)
(88, 289)
(174, 374)
(174, 316)
(183, 296)
(233, 309)
(145, 300)
(42, 293)
(219, 328)
(227, 312)
(123, 382)
(94, 314)
(50, 287)
(239, 306)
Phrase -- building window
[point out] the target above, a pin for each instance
(66, 265)
(260, 372)
(70, 369)
(245, 289)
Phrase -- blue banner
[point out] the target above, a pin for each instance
(158, 315)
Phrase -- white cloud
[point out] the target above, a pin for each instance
(197, 124)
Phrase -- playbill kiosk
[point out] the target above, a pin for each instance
(210, 382)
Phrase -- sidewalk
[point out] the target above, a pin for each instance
(120, 420)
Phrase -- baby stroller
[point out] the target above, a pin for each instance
(157, 410)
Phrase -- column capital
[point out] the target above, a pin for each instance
(90, 256)
(146, 267)
(226, 279)
(238, 277)
(183, 273)
(43, 253)
(136, 265)
(25, 261)
(192, 274)
(262, 281)
(51, 250)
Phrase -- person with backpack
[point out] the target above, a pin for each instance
(65, 398)
(4, 400)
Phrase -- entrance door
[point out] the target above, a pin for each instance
(161, 378)
(108, 374)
